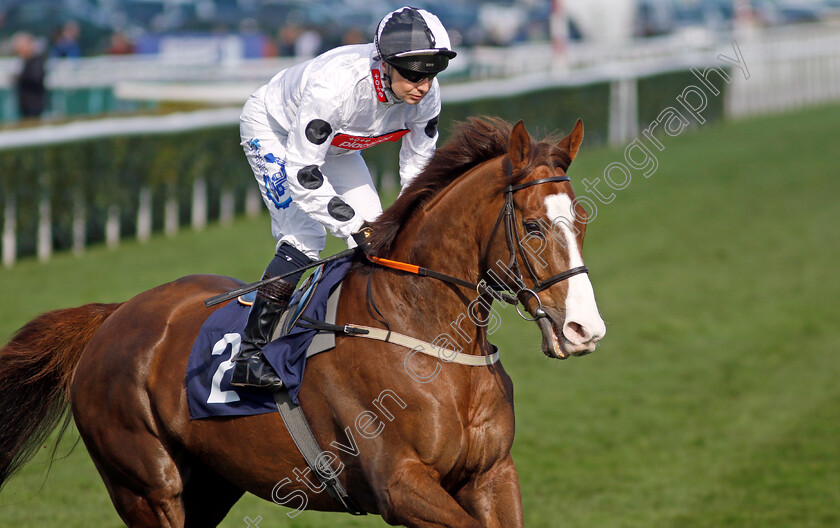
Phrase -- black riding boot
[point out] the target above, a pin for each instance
(250, 369)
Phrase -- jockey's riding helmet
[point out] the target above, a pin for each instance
(413, 40)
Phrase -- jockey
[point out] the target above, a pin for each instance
(303, 134)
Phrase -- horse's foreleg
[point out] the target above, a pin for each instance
(493, 497)
(414, 498)
(161, 508)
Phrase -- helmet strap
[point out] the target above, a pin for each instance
(386, 77)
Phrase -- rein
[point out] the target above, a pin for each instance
(426, 272)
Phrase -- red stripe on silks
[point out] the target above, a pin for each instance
(377, 85)
(346, 141)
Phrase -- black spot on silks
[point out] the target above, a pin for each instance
(310, 177)
(339, 210)
(432, 126)
(317, 131)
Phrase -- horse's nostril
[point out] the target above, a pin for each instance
(576, 332)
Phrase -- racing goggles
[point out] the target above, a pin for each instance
(414, 76)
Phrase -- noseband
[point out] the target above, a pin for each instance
(508, 214)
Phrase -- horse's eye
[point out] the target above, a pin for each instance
(532, 227)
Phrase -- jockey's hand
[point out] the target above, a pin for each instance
(362, 238)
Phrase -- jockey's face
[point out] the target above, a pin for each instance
(410, 92)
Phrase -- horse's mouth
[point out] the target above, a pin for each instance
(552, 339)
(555, 345)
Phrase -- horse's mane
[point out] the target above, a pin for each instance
(474, 141)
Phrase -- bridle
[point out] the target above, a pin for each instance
(508, 215)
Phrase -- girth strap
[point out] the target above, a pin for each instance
(308, 446)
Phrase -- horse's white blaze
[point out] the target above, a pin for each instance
(583, 323)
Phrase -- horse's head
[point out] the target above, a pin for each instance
(491, 185)
(536, 244)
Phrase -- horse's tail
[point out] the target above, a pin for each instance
(35, 372)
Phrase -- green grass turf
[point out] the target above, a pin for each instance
(713, 401)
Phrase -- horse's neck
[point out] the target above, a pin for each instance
(445, 237)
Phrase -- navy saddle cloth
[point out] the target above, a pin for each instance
(209, 367)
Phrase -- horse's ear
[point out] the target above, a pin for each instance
(519, 148)
(571, 143)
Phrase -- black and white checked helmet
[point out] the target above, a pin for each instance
(413, 39)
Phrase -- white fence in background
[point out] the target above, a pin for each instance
(110, 127)
(143, 222)
(108, 70)
(788, 68)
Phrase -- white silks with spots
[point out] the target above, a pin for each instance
(303, 133)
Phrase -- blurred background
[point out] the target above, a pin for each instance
(713, 400)
(615, 63)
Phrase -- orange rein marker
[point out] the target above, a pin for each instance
(402, 266)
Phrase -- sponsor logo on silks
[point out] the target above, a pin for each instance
(254, 146)
(377, 85)
(346, 141)
(275, 186)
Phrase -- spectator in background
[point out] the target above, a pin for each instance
(120, 44)
(353, 36)
(286, 39)
(308, 44)
(29, 82)
(296, 41)
(66, 42)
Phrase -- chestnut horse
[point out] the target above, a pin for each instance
(415, 439)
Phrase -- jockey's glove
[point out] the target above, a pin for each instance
(362, 238)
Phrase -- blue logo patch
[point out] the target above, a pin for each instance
(274, 183)
(275, 187)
